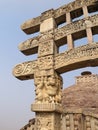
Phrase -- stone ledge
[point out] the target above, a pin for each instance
(73, 110)
(93, 112)
(46, 107)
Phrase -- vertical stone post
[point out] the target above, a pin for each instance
(85, 11)
(69, 37)
(88, 29)
(47, 81)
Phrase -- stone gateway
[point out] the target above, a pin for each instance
(55, 108)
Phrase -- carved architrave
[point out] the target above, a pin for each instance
(78, 55)
(29, 44)
(66, 60)
(72, 6)
(58, 34)
(31, 23)
(47, 14)
(48, 88)
(30, 26)
(76, 27)
(22, 70)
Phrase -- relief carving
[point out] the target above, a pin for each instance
(48, 121)
(30, 43)
(46, 62)
(76, 55)
(76, 27)
(46, 36)
(46, 48)
(72, 6)
(48, 89)
(26, 68)
(35, 22)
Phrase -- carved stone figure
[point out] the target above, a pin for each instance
(48, 89)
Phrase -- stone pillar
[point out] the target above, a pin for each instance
(88, 29)
(48, 116)
(85, 11)
(69, 37)
(48, 83)
(89, 35)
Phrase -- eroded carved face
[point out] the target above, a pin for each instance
(37, 80)
(51, 80)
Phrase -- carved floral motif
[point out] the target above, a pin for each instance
(60, 33)
(26, 68)
(31, 22)
(48, 121)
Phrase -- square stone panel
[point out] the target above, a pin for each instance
(46, 48)
(46, 63)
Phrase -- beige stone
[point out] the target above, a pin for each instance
(47, 25)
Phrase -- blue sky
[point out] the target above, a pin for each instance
(17, 96)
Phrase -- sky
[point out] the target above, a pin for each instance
(17, 96)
